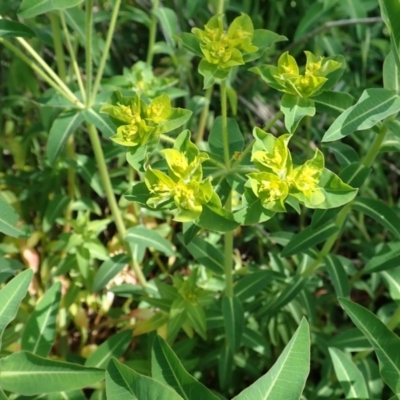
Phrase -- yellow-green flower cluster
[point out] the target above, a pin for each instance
(184, 184)
(278, 178)
(223, 48)
(289, 79)
(137, 121)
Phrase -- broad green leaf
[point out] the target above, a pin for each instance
(108, 269)
(114, 346)
(63, 126)
(14, 29)
(380, 212)
(256, 341)
(392, 280)
(373, 106)
(55, 208)
(233, 313)
(262, 38)
(168, 22)
(344, 154)
(391, 73)
(383, 340)
(295, 108)
(333, 103)
(216, 140)
(387, 258)
(349, 376)
(212, 73)
(11, 296)
(178, 117)
(350, 340)
(40, 330)
(287, 377)
(309, 237)
(100, 121)
(9, 267)
(167, 369)
(355, 174)
(190, 42)
(390, 12)
(8, 220)
(338, 275)
(31, 8)
(206, 254)
(125, 383)
(221, 221)
(225, 364)
(251, 284)
(28, 374)
(197, 318)
(149, 238)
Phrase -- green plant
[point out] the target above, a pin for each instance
(227, 314)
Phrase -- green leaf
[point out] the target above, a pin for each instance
(169, 23)
(197, 318)
(2, 395)
(63, 126)
(286, 379)
(344, 154)
(54, 209)
(28, 374)
(391, 73)
(333, 103)
(40, 330)
(338, 275)
(390, 11)
(114, 346)
(225, 363)
(215, 139)
(9, 267)
(101, 121)
(108, 270)
(309, 237)
(149, 238)
(8, 220)
(392, 281)
(355, 174)
(206, 254)
(220, 221)
(212, 73)
(373, 106)
(14, 29)
(380, 212)
(349, 376)
(233, 313)
(190, 42)
(295, 108)
(262, 38)
(251, 284)
(350, 340)
(387, 258)
(125, 383)
(11, 296)
(383, 340)
(31, 8)
(178, 117)
(167, 369)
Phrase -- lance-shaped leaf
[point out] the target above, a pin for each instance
(233, 313)
(40, 329)
(14, 29)
(373, 106)
(295, 108)
(167, 369)
(390, 12)
(31, 8)
(286, 379)
(383, 340)
(11, 296)
(387, 258)
(28, 374)
(391, 73)
(8, 220)
(338, 275)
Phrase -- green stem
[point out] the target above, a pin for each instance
(106, 49)
(89, 30)
(228, 239)
(58, 47)
(204, 115)
(71, 53)
(38, 70)
(221, 7)
(108, 189)
(271, 123)
(167, 139)
(152, 34)
(341, 218)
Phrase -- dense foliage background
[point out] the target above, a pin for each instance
(88, 301)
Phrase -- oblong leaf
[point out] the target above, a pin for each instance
(28, 374)
(251, 284)
(167, 369)
(373, 106)
(63, 126)
(11, 296)
(100, 121)
(233, 313)
(309, 237)
(386, 259)
(31, 8)
(14, 29)
(382, 339)
(380, 212)
(8, 220)
(287, 377)
(338, 275)
(108, 269)
(40, 329)
(295, 108)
